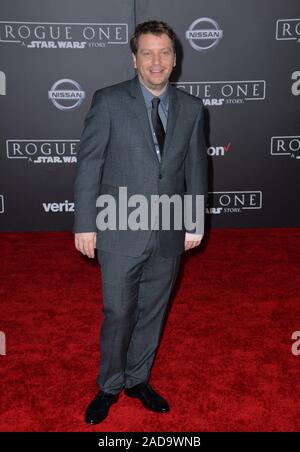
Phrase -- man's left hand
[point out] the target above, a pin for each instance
(192, 240)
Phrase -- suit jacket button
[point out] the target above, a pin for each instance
(160, 176)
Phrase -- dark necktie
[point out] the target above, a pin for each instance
(157, 124)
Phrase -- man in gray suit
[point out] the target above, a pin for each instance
(146, 135)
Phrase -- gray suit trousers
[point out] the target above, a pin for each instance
(136, 291)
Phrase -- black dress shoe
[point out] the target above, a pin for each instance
(98, 409)
(149, 398)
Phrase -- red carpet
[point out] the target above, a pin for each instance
(224, 363)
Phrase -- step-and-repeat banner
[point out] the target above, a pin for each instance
(241, 57)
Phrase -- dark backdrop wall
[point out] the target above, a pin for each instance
(241, 57)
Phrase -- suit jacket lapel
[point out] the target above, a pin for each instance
(172, 121)
(141, 113)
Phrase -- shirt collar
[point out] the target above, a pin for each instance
(148, 96)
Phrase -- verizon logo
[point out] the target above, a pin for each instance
(55, 207)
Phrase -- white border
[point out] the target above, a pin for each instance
(230, 81)
(68, 23)
(282, 136)
(285, 39)
(241, 191)
(30, 141)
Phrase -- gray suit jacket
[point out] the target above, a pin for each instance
(116, 149)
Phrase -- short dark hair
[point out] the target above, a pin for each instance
(155, 27)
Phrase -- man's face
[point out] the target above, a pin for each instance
(154, 60)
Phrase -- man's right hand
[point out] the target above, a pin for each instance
(85, 242)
